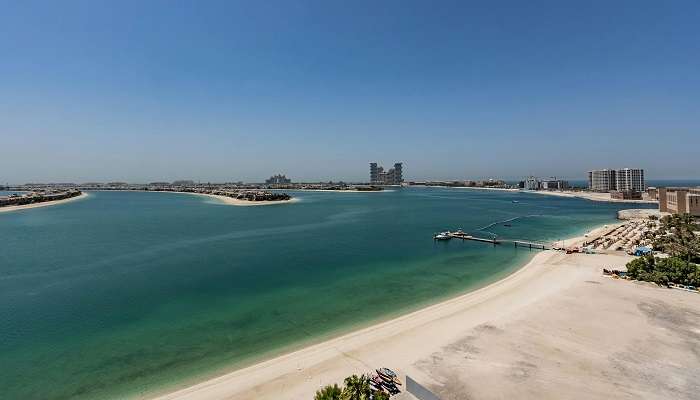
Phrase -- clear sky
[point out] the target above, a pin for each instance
(236, 90)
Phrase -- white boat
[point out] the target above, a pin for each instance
(442, 236)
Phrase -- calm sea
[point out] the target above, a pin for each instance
(121, 294)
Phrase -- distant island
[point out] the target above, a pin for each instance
(233, 196)
(238, 193)
(249, 190)
(37, 198)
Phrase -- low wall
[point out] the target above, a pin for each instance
(418, 390)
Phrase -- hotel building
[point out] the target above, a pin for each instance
(278, 180)
(678, 200)
(377, 175)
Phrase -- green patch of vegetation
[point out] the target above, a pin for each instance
(356, 388)
(664, 270)
(677, 238)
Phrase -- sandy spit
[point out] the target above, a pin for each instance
(43, 204)
(246, 203)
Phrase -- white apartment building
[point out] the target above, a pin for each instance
(629, 179)
(602, 180)
(532, 183)
(626, 179)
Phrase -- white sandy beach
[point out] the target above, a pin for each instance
(556, 328)
(42, 204)
(478, 188)
(246, 203)
(593, 196)
(224, 199)
(332, 190)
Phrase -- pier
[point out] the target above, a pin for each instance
(463, 236)
(516, 243)
(530, 245)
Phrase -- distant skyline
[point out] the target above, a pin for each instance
(228, 91)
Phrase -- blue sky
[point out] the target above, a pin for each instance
(220, 91)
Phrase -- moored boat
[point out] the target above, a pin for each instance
(442, 236)
(388, 375)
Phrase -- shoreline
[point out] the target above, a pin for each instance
(224, 199)
(82, 195)
(242, 203)
(336, 190)
(287, 369)
(463, 187)
(479, 188)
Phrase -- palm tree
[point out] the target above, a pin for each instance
(356, 388)
(328, 393)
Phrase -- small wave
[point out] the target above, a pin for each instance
(484, 229)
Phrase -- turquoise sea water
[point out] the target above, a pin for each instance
(124, 293)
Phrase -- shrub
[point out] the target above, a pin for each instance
(328, 393)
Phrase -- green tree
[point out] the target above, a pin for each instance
(664, 270)
(676, 236)
(380, 396)
(328, 393)
(640, 266)
(356, 388)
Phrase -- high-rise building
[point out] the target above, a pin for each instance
(377, 175)
(278, 180)
(554, 184)
(623, 180)
(374, 172)
(531, 183)
(602, 180)
(631, 180)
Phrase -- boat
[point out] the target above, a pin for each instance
(516, 201)
(386, 372)
(388, 375)
(508, 225)
(442, 236)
